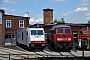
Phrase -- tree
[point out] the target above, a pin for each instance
(62, 20)
(59, 21)
(55, 21)
(89, 22)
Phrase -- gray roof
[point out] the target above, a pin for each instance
(57, 26)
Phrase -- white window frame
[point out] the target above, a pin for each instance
(21, 25)
(8, 22)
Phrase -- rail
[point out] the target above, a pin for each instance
(8, 56)
(40, 58)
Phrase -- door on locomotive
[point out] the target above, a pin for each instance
(84, 38)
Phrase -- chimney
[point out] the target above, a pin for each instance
(48, 16)
(26, 14)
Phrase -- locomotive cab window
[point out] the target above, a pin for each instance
(36, 32)
(33, 32)
(40, 32)
(60, 31)
(83, 28)
(67, 31)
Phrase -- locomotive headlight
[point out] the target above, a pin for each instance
(68, 38)
(59, 38)
(43, 44)
(32, 45)
(88, 38)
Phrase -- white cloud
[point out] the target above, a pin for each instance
(87, 14)
(12, 10)
(87, 18)
(85, 11)
(8, 10)
(66, 13)
(81, 9)
(32, 20)
(9, 1)
(38, 20)
(85, 3)
(57, 0)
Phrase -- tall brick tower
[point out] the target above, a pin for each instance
(48, 16)
(2, 27)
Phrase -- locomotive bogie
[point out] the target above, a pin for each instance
(66, 46)
(37, 46)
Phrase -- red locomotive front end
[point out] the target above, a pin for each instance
(61, 37)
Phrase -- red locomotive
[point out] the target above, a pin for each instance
(84, 38)
(60, 37)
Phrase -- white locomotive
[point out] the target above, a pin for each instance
(32, 38)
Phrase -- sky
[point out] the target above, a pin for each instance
(73, 11)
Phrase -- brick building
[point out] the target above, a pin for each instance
(2, 28)
(48, 16)
(9, 26)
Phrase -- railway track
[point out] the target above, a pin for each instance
(60, 53)
(46, 53)
(38, 54)
(49, 53)
(65, 54)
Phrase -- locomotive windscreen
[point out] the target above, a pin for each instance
(67, 31)
(83, 28)
(36, 32)
(86, 27)
(60, 31)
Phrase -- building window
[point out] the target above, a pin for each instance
(21, 23)
(8, 23)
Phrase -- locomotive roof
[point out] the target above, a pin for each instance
(61, 26)
(36, 28)
(22, 29)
